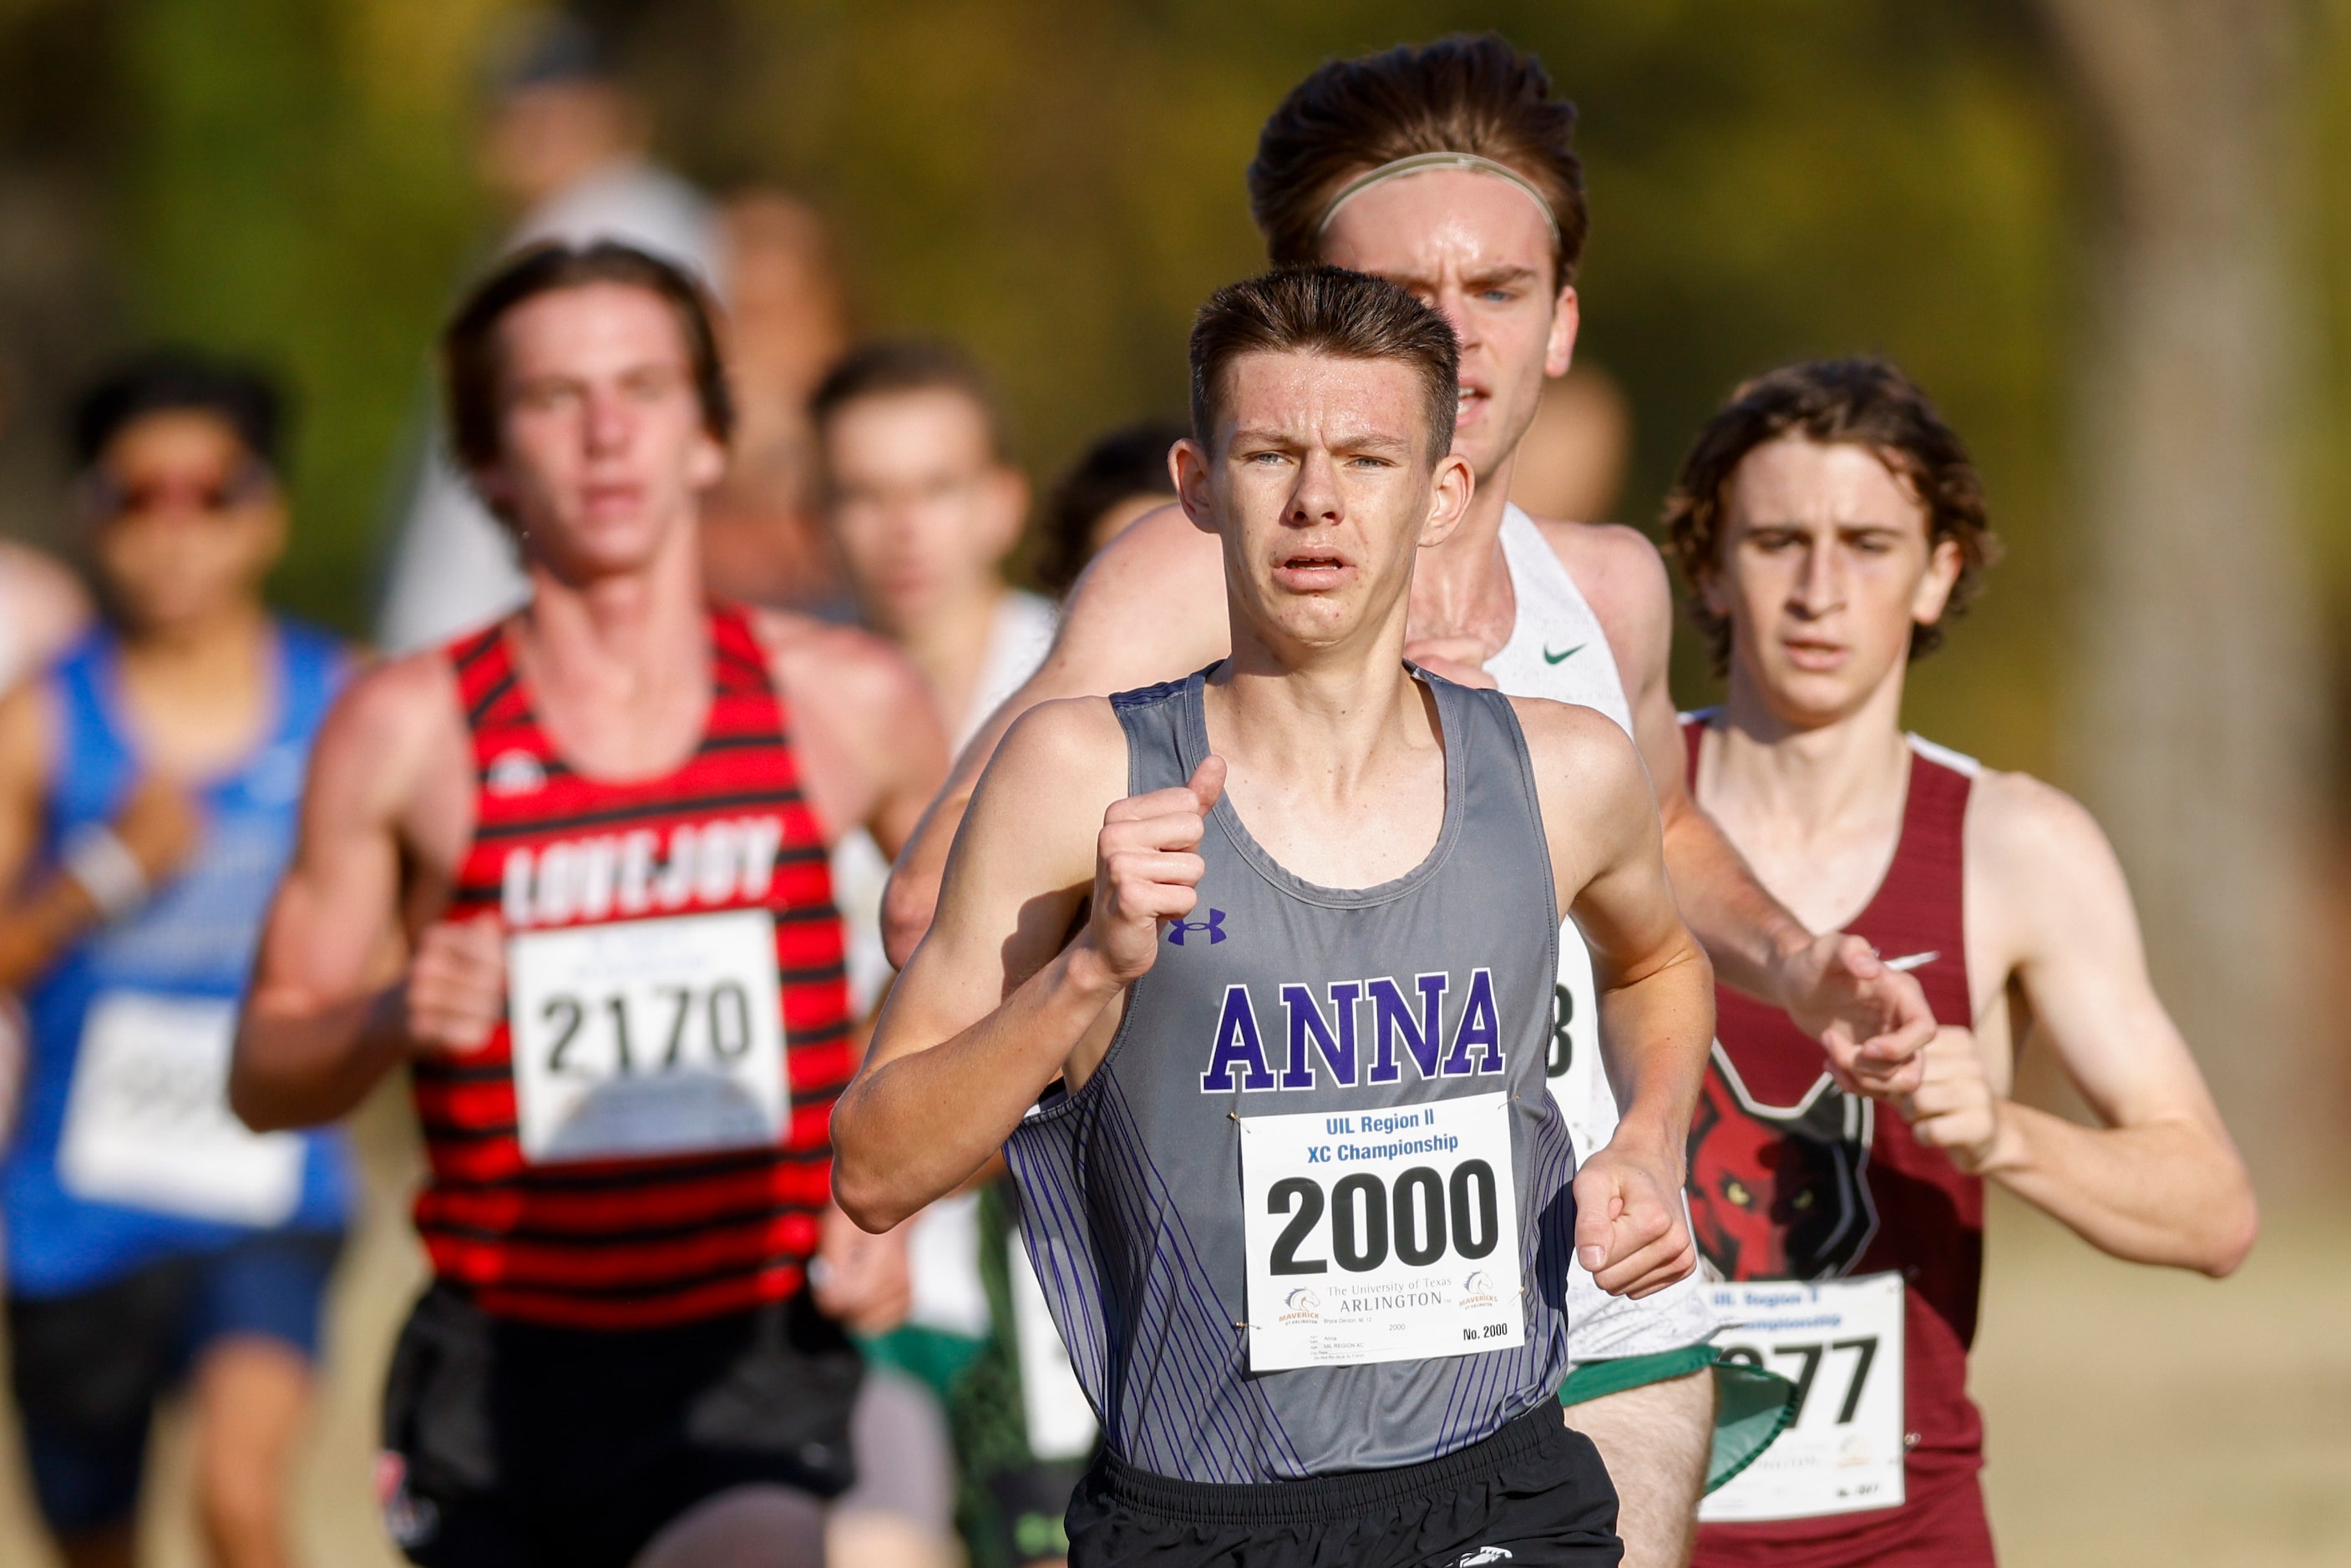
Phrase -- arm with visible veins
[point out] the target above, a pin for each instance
(2161, 1181)
(1655, 993)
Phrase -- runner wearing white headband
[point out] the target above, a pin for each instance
(1426, 163)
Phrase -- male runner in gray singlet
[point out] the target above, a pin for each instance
(1449, 169)
(1301, 1201)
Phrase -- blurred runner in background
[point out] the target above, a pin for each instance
(925, 505)
(43, 609)
(572, 870)
(565, 147)
(1830, 523)
(1121, 477)
(149, 781)
(763, 532)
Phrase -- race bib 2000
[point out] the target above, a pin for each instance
(639, 1038)
(1386, 1235)
(1841, 1341)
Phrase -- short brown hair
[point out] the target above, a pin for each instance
(1860, 401)
(472, 365)
(1463, 94)
(899, 365)
(1324, 310)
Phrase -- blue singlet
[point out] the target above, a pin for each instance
(189, 949)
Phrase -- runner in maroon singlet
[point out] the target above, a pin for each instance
(1831, 521)
(572, 870)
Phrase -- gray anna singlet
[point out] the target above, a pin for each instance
(1132, 1191)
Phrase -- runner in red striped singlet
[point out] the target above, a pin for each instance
(552, 848)
(1830, 523)
(572, 871)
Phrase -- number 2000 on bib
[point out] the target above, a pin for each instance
(1383, 1234)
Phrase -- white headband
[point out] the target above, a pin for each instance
(1422, 163)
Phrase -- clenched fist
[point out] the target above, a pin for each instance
(1147, 870)
(1629, 1231)
(456, 990)
(1955, 1107)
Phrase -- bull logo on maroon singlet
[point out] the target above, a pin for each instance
(1779, 1192)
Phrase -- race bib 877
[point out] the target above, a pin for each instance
(1381, 1235)
(1841, 1342)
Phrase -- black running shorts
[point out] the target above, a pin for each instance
(510, 1445)
(1533, 1495)
(89, 1369)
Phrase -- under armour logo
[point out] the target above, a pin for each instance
(1214, 925)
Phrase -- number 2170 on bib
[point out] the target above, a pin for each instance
(1385, 1234)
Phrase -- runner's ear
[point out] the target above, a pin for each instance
(1450, 487)
(1942, 573)
(1189, 462)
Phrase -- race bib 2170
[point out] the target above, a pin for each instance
(638, 1038)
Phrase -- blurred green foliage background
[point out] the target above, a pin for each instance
(1059, 182)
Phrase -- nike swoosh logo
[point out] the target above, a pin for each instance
(1551, 658)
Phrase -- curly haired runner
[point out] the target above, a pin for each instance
(1832, 524)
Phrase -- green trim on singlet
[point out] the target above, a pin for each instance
(934, 1357)
(1751, 1406)
(1598, 1379)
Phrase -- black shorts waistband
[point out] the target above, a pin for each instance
(1320, 1498)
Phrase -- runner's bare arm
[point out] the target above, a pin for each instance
(329, 1014)
(1150, 607)
(998, 1001)
(2161, 1182)
(1873, 1020)
(36, 925)
(1656, 990)
(157, 827)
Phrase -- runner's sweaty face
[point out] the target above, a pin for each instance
(1475, 249)
(1824, 567)
(602, 451)
(1322, 485)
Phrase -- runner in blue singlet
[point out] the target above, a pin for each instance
(149, 783)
